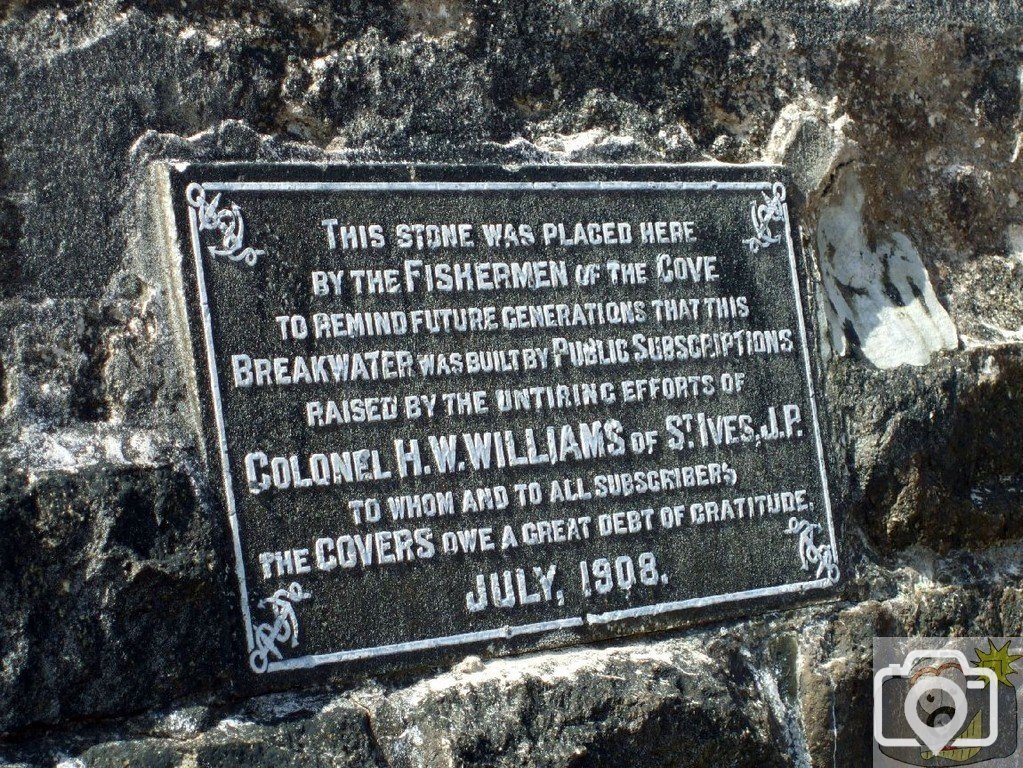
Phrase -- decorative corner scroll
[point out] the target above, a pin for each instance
(283, 629)
(810, 553)
(765, 214)
(227, 221)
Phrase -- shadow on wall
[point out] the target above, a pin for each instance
(879, 300)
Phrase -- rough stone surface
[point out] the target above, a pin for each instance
(116, 635)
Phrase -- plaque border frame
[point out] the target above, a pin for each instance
(506, 632)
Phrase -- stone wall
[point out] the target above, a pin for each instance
(902, 124)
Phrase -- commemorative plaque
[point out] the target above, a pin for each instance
(472, 408)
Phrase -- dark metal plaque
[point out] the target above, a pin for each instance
(485, 408)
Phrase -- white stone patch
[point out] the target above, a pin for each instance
(562, 664)
(409, 745)
(182, 724)
(71, 450)
(578, 146)
(1014, 240)
(469, 665)
(883, 294)
(233, 725)
(786, 717)
(115, 449)
(557, 666)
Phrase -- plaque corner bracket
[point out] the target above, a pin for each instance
(813, 554)
(283, 628)
(763, 215)
(228, 222)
